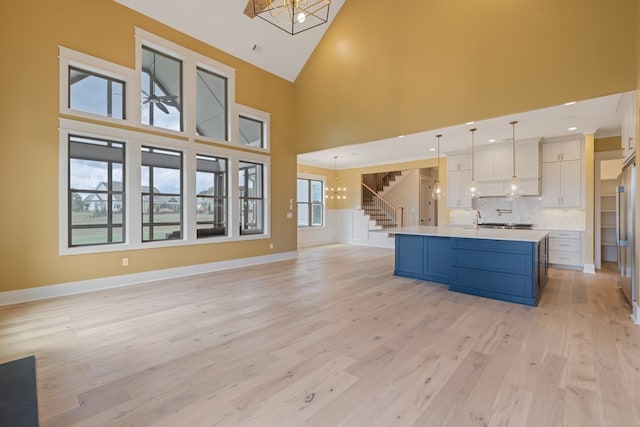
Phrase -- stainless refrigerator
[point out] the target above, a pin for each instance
(625, 227)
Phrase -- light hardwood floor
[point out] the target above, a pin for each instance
(330, 339)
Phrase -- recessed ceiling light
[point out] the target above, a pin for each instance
(470, 123)
(432, 149)
(573, 128)
(569, 103)
(492, 140)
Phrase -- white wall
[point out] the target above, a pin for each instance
(405, 193)
(349, 226)
(314, 236)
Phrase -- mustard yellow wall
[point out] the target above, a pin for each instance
(612, 143)
(30, 34)
(385, 69)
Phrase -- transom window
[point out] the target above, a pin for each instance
(161, 94)
(310, 202)
(161, 187)
(97, 94)
(251, 191)
(251, 132)
(212, 105)
(211, 197)
(96, 191)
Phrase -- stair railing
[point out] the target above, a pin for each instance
(373, 199)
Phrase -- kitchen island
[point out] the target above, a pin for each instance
(509, 265)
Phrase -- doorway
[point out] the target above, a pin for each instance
(428, 205)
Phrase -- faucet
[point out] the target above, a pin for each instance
(476, 218)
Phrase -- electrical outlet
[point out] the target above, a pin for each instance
(125, 262)
(270, 245)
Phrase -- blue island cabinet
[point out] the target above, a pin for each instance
(423, 257)
(508, 270)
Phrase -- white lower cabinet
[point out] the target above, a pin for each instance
(565, 249)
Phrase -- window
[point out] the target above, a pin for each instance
(212, 105)
(96, 191)
(251, 132)
(161, 94)
(211, 196)
(251, 198)
(96, 94)
(310, 202)
(161, 187)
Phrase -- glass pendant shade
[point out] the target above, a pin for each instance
(437, 190)
(513, 188)
(473, 189)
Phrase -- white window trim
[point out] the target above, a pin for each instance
(324, 200)
(252, 113)
(191, 61)
(71, 58)
(133, 141)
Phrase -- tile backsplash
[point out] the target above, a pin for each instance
(527, 210)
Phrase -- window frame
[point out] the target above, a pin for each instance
(310, 178)
(69, 58)
(133, 141)
(246, 199)
(259, 116)
(152, 194)
(181, 77)
(191, 61)
(214, 198)
(110, 192)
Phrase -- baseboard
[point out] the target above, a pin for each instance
(82, 286)
(589, 268)
(635, 316)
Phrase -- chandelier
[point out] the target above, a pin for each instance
(292, 16)
(335, 192)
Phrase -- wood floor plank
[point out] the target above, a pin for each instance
(331, 338)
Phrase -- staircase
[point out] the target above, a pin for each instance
(381, 219)
(382, 213)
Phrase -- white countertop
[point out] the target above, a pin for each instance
(472, 233)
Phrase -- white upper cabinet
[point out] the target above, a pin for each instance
(493, 166)
(628, 106)
(561, 151)
(562, 174)
(459, 162)
(561, 184)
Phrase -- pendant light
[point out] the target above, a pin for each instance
(513, 188)
(437, 192)
(473, 185)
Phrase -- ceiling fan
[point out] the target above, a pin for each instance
(161, 101)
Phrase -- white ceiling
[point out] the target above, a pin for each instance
(223, 24)
(598, 115)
